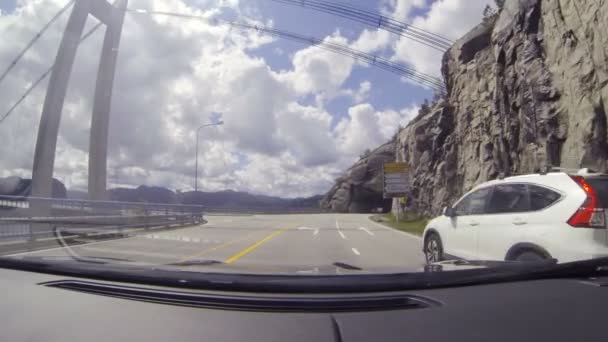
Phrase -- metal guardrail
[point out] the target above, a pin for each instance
(19, 217)
(23, 202)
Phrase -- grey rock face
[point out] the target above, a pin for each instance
(524, 91)
(16, 186)
(360, 188)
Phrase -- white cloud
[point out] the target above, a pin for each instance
(448, 18)
(316, 70)
(367, 127)
(171, 75)
(401, 9)
(357, 95)
(372, 41)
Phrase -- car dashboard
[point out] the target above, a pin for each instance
(46, 307)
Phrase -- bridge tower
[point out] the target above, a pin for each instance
(44, 159)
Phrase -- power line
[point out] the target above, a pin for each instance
(34, 40)
(372, 19)
(43, 76)
(374, 60)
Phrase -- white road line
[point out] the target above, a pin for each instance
(130, 252)
(64, 248)
(315, 230)
(340, 231)
(356, 251)
(367, 231)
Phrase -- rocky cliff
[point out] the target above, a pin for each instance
(360, 188)
(17, 186)
(526, 89)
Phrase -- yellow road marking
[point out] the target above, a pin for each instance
(214, 248)
(249, 249)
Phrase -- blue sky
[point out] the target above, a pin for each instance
(388, 92)
(295, 116)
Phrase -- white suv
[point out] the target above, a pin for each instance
(531, 217)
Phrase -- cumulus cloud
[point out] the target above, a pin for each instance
(171, 75)
(448, 18)
(316, 70)
(367, 127)
(400, 9)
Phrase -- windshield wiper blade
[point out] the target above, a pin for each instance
(495, 263)
(196, 262)
(87, 259)
(347, 266)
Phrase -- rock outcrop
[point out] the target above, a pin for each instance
(360, 188)
(17, 186)
(525, 90)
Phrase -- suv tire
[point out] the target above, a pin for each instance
(529, 256)
(433, 248)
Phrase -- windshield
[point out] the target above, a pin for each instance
(300, 138)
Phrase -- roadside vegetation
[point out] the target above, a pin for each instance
(409, 223)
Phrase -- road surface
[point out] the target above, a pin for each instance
(267, 244)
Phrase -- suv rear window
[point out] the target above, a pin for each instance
(600, 185)
(540, 197)
(509, 198)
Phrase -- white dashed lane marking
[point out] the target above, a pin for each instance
(181, 238)
(367, 231)
(342, 235)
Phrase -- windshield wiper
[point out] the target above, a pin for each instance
(87, 259)
(495, 263)
(347, 266)
(196, 262)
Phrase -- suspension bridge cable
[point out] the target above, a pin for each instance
(43, 76)
(383, 63)
(34, 40)
(372, 19)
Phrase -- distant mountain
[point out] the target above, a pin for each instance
(221, 200)
(143, 193)
(228, 200)
(78, 195)
(244, 200)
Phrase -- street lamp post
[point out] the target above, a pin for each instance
(219, 123)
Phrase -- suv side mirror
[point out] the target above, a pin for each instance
(449, 212)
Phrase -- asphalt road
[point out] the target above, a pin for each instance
(267, 243)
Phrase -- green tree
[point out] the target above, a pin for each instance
(425, 107)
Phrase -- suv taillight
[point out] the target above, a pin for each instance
(590, 214)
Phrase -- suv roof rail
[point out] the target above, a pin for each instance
(582, 172)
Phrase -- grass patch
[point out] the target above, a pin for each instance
(408, 223)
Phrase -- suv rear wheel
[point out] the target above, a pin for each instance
(529, 256)
(433, 249)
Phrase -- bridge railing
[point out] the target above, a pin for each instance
(96, 207)
(19, 218)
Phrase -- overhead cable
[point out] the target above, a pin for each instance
(374, 60)
(372, 19)
(38, 35)
(43, 76)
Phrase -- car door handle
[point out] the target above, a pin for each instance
(474, 223)
(519, 222)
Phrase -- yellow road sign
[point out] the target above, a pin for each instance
(395, 168)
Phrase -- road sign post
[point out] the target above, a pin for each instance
(395, 182)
